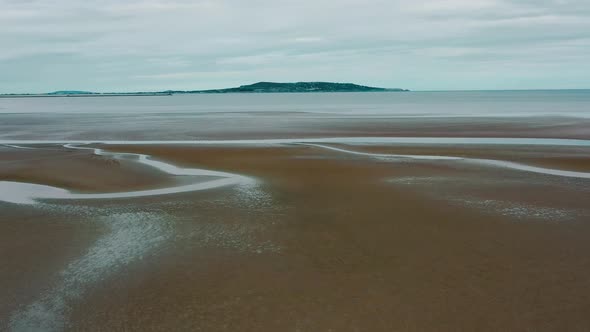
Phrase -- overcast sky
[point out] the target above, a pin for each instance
(132, 45)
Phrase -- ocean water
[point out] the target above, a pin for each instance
(215, 116)
(453, 103)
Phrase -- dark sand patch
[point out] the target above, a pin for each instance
(36, 244)
(78, 170)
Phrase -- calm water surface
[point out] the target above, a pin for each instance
(276, 115)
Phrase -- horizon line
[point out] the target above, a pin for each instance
(165, 92)
(205, 91)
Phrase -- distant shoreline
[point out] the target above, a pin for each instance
(46, 95)
(260, 87)
(175, 94)
(166, 94)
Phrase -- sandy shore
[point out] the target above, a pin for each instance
(323, 241)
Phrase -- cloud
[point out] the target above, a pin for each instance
(124, 45)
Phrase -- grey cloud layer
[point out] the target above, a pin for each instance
(151, 45)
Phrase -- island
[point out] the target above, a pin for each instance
(299, 87)
(260, 87)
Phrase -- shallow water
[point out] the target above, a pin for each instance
(343, 140)
(572, 103)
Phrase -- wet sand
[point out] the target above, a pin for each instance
(567, 158)
(77, 170)
(324, 241)
(282, 124)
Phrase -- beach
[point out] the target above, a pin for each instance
(306, 228)
(326, 240)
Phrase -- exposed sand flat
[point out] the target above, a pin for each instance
(29, 193)
(76, 170)
(35, 245)
(352, 236)
(327, 241)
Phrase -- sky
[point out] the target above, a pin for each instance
(151, 45)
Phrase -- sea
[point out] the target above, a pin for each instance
(218, 116)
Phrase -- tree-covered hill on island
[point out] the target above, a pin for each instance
(272, 87)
